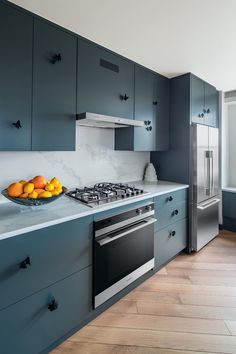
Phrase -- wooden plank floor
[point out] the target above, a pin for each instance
(188, 307)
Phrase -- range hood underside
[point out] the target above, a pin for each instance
(102, 121)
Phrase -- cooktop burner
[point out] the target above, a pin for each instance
(102, 193)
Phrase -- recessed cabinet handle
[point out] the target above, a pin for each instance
(17, 124)
(25, 263)
(53, 305)
(175, 212)
(56, 58)
(124, 97)
(172, 233)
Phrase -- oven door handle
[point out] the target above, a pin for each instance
(106, 240)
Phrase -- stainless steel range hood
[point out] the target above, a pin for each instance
(102, 121)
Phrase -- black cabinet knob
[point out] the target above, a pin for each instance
(154, 103)
(204, 111)
(170, 198)
(56, 58)
(17, 124)
(149, 128)
(53, 305)
(148, 122)
(175, 212)
(124, 97)
(172, 233)
(145, 122)
(25, 263)
(208, 111)
(201, 115)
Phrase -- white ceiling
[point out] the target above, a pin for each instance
(169, 36)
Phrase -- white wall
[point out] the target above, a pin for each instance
(94, 160)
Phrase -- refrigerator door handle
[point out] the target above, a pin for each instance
(212, 173)
(208, 204)
(208, 173)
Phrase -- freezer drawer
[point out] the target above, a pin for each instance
(206, 225)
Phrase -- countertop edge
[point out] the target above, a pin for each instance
(88, 212)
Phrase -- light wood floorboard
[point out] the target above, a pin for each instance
(189, 307)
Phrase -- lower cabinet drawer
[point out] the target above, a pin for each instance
(33, 261)
(170, 215)
(170, 241)
(170, 199)
(31, 325)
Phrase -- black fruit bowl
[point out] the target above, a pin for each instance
(34, 202)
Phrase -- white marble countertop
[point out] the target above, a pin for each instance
(16, 219)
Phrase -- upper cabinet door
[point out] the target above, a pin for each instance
(163, 113)
(54, 88)
(211, 105)
(16, 32)
(197, 100)
(105, 82)
(145, 109)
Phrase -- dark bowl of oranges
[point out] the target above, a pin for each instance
(37, 191)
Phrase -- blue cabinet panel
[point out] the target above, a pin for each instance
(54, 253)
(211, 105)
(16, 35)
(170, 199)
(31, 325)
(171, 214)
(169, 241)
(54, 88)
(197, 100)
(105, 82)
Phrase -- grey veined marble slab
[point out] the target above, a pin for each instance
(16, 220)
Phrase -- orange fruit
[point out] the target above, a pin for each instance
(15, 189)
(28, 187)
(45, 194)
(55, 181)
(55, 192)
(39, 190)
(39, 182)
(33, 195)
(23, 182)
(24, 196)
(49, 187)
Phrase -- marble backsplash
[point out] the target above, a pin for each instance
(93, 161)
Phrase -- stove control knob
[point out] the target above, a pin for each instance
(139, 211)
(149, 208)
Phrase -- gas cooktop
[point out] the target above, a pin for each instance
(102, 193)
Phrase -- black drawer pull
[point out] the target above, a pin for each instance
(149, 128)
(208, 110)
(56, 58)
(201, 115)
(170, 198)
(53, 305)
(25, 263)
(17, 124)
(172, 233)
(175, 212)
(124, 97)
(154, 103)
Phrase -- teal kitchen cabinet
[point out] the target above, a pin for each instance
(16, 34)
(35, 323)
(151, 105)
(204, 102)
(170, 241)
(54, 88)
(35, 260)
(211, 105)
(105, 82)
(171, 228)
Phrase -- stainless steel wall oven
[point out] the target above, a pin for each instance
(123, 251)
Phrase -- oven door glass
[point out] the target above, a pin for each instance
(118, 254)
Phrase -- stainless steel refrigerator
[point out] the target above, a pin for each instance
(205, 185)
